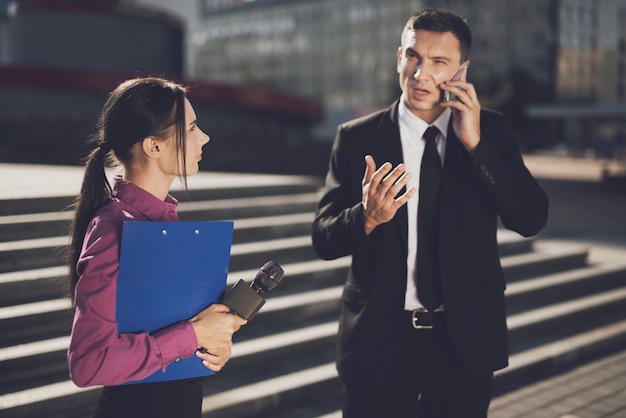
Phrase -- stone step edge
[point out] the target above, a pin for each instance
(552, 353)
(544, 254)
(183, 207)
(504, 238)
(240, 349)
(237, 249)
(558, 354)
(267, 343)
(512, 261)
(333, 293)
(539, 283)
(44, 273)
(305, 267)
(563, 309)
(247, 202)
(65, 180)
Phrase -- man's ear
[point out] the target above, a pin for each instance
(150, 147)
(466, 65)
(398, 59)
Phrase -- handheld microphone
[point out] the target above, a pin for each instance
(246, 301)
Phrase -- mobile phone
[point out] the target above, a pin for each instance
(448, 95)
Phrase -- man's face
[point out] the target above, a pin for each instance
(425, 60)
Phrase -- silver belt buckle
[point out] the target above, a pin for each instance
(414, 320)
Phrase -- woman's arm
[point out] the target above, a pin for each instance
(98, 354)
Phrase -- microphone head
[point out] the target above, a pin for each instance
(268, 277)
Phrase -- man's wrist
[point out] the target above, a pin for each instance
(369, 225)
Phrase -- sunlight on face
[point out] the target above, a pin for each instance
(172, 162)
(425, 60)
(196, 139)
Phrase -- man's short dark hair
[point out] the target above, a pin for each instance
(440, 20)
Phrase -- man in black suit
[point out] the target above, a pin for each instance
(406, 349)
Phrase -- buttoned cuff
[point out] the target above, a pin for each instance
(176, 342)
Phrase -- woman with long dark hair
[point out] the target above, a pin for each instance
(149, 126)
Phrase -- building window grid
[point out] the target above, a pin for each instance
(335, 63)
(264, 67)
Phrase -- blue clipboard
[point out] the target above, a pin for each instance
(169, 271)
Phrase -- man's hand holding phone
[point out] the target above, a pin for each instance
(461, 98)
(446, 95)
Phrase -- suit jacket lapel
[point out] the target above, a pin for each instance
(389, 148)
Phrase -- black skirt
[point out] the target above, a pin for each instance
(174, 399)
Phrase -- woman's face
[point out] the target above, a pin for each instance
(196, 139)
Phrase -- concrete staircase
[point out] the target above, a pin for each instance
(563, 308)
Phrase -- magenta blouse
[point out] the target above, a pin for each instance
(98, 354)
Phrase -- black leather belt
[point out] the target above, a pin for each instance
(421, 319)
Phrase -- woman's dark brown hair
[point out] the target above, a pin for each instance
(136, 109)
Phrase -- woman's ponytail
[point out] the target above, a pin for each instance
(95, 192)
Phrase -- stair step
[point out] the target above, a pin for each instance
(25, 364)
(18, 207)
(548, 259)
(257, 398)
(23, 322)
(298, 208)
(510, 243)
(25, 226)
(18, 287)
(311, 300)
(44, 252)
(44, 319)
(535, 363)
(264, 398)
(31, 253)
(52, 224)
(247, 207)
(212, 186)
(61, 184)
(540, 362)
(564, 319)
(542, 290)
(41, 253)
(53, 400)
(272, 394)
(253, 255)
(260, 228)
(561, 310)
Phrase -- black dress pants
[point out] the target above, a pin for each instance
(174, 399)
(428, 381)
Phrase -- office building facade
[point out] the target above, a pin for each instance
(342, 52)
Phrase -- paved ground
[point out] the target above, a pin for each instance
(594, 390)
(583, 208)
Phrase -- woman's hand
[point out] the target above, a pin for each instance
(214, 328)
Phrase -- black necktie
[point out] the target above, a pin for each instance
(428, 281)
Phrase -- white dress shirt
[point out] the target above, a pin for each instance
(412, 129)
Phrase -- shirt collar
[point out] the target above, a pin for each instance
(417, 125)
(151, 206)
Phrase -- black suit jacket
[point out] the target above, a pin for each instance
(475, 191)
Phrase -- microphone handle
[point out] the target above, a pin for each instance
(243, 300)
